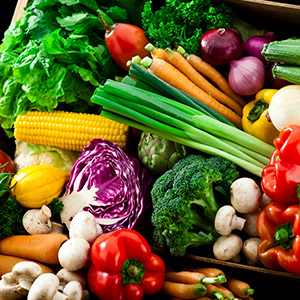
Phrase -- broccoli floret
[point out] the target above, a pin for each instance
(183, 23)
(229, 172)
(11, 215)
(159, 240)
(185, 205)
(175, 222)
(56, 207)
(163, 183)
(196, 183)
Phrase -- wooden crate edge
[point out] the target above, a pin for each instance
(19, 11)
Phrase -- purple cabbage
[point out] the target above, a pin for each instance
(110, 184)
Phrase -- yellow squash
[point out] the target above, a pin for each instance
(38, 185)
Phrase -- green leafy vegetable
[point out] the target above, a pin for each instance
(54, 57)
(184, 22)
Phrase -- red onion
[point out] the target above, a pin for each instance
(246, 75)
(276, 83)
(254, 45)
(220, 45)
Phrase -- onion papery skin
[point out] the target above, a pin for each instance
(220, 45)
(246, 75)
(254, 45)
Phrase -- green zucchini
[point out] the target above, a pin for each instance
(285, 51)
(289, 73)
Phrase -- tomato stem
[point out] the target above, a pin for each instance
(106, 26)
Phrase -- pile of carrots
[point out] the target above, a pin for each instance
(205, 283)
(192, 75)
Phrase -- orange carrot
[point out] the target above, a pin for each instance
(214, 75)
(168, 73)
(192, 277)
(239, 288)
(183, 290)
(7, 262)
(179, 62)
(155, 52)
(227, 293)
(213, 292)
(39, 247)
(207, 271)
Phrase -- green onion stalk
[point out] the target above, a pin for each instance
(181, 123)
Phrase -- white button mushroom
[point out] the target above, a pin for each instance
(73, 254)
(66, 276)
(46, 287)
(17, 283)
(250, 250)
(74, 290)
(250, 225)
(245, 195)
(226, 220)
(227, 247)
(36, 221)
(83, 225)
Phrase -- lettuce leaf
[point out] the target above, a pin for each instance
(54, 57)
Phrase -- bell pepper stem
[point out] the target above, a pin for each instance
(284, 236)
(132, 271)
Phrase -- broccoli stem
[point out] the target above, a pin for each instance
(200, 221)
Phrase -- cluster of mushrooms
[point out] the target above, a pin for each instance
(27, 279)
(247, 201)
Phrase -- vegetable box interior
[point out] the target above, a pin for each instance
(285, 17)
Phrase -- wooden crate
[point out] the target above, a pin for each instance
(19, 10)
(276, 12)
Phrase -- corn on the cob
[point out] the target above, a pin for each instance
(67, 130)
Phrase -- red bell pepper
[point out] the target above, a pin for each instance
(123, 267)
(278, 225)
(281, 178)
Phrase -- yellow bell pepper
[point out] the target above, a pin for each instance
(255, 120)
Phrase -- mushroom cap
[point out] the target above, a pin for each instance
(224, 220)
(37, 221)
(250, 249)
(245, 195)
(73, 254)
(83, 225)
(227, 247)
(66, 276)
(44, 287)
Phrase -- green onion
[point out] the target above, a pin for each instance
(179, 122)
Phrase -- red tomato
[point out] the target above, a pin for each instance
(5, 158)
(125, 41)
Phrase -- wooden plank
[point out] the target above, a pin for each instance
(276, 11)
(19, 10)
